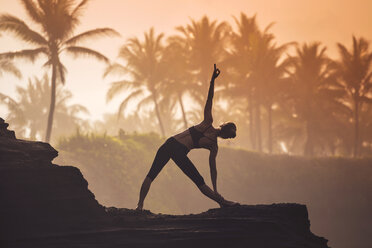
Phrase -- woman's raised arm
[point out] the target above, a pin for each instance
(208, 105)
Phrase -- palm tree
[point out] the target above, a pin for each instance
(30, 110)
(254, 63)
(314, 92)
(271, 80)
(57, 20)
(177, 78)
(238, 64)
(355, 74)
(143, 65)
(366, 132)
(205, 42)
(267, 77)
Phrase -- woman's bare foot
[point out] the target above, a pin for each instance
(139, 207)
(227, 203)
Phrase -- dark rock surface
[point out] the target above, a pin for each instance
(276, 225)
(4, 132)
(46, 205)
(37, 196)
(22, 153)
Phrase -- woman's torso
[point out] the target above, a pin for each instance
(207, 139)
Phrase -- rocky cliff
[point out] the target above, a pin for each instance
(46, 205)
(37, 196)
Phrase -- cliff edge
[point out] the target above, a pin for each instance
(46, 205)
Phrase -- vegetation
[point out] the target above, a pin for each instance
(115, 164)
(143, 64)
(29, 111)
(57, 21)
(300, 102)
(355, 74)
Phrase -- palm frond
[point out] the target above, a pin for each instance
(115, 69)
(28, 54)
(77, 108)
(147, 100)
(92, 34)
(8, 99)
(124, 103)
(61, 69)
(13, 107)
(83, 51)
(20, 29)
(63, 96)
(77, 11)
(116, 88)
(33, 10)
(268, 27)
(8, 66)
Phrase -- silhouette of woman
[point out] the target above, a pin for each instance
(203, 135)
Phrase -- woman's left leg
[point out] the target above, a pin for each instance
(143, 192)
(162, 157)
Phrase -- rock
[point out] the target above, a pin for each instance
(37, 196)
(4, 132)
(15, 152)
(23, 153)
(276, 225)
(46, 205)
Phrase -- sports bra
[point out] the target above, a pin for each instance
(197, 135)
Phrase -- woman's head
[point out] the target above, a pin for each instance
(228, 130)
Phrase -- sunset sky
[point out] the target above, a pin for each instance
(327, 21)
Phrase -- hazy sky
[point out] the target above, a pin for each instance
(328, 21)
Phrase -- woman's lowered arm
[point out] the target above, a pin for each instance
(212, 166)
(208, 105)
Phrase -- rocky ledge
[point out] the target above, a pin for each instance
(46, 205)
(276, 225)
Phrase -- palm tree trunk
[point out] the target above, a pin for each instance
(158, 115)
(52, 104)
(308, 150)
(270, 135)
(251, 123)
(356, 127)
(258, 127)
(182, 110)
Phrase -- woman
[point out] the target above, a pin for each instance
(203, 135)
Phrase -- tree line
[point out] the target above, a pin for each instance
(302, 102)
(306, 99)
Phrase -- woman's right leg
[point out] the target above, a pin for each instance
(162, 157)
(186, 165)
(190, 170)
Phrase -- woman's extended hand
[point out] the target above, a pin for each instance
(216, 72)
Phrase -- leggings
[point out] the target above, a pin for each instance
(176, 151)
